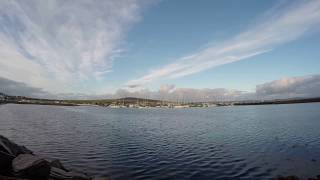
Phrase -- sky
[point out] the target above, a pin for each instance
(175, 49)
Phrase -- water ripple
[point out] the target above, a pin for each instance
(256, 142)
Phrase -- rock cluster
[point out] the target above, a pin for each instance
(19, 163)
(295, 178)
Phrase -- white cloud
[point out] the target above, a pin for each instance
(62, 42)
(170, 92)
(15, 88)
(10, 87)
(303, 86)
(167, 88)
(15, 66)
(289, 87)
(280, 26)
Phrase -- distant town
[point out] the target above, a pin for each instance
(132, 102)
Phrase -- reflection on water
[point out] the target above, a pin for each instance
(249, 142)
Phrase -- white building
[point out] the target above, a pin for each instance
(2, 97)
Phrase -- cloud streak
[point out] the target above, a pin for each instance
(62, 42)
(279, 26)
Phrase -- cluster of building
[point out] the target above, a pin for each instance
(12, 99)
(155, 104)
(2, 97)
(25, 100)
(131, 102)
(5, 98)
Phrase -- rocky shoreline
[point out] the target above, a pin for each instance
(19, 163)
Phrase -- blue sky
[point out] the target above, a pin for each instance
(100, 47)
(173, 29)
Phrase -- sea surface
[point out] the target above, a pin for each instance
(240, 142)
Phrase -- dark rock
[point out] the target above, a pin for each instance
(18, 161)
(316, 178)
(287, 178)
(10, 178)
(5, 162)
(313, 178)
(99, 178)
(30, 166)
(57, 173)
(12, 148)
(8, 151)
(57, 164)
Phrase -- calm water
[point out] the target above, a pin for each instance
(249, 142)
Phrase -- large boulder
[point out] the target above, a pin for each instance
(12, 148)
(57, 164)
(60, 174)
(99, 178)
(5, 162)
(30, 166)
(18, 161)
(8, 151)
(10, 178)
(287, 178)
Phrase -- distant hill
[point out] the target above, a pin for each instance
(120, 101)
(132, 101)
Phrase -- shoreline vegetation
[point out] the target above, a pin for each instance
(132, 102)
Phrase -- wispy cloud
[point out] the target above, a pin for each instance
(53, 43)
(280, 25)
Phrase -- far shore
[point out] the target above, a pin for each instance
(149, 103)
